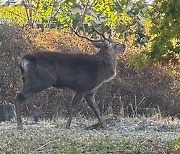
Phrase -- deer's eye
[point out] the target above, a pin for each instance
(116, 44)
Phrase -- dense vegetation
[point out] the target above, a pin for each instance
(150, 31)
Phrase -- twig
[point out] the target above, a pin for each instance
(41, 147)
(51, 16)
(83, 15)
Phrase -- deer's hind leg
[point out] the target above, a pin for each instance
(30, 87)
(18, 113)
(31, 108)
(75, 101)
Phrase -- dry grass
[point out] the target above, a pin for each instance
(130, 136)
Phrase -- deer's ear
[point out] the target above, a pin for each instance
(98, 44)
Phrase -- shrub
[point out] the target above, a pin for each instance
(131, 89)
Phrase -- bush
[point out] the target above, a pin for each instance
(131, 89)
(7, 112)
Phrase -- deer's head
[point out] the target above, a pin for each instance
(111, 46)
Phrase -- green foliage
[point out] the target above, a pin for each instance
(138, 59)
(112, 12)
(51, 13)
(55, 14)
(176, 144)
(13, 14)
(165, 32)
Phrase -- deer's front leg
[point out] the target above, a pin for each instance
(93, 105)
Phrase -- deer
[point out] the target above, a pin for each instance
(81, 72)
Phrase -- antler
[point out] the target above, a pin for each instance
(101, 34)
(92, 40)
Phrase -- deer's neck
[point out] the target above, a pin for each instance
(107, 64)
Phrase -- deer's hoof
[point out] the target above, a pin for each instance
(104, 126)
(67, 126)
(97, 126)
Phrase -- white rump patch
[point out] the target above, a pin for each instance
(24, 64)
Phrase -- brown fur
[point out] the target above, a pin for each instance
(80, 72)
